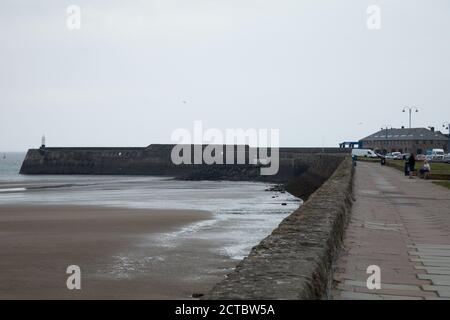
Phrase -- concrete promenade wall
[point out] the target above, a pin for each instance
(295, 261)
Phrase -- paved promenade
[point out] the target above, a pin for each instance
(403, 226)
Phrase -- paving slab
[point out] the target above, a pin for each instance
(434, 270)
(383, 285)
(439, 280)
(443, 291)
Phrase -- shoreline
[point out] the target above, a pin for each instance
(112, 246)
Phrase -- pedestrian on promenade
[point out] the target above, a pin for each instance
(412, 164)
(425, 169)
(383, 160)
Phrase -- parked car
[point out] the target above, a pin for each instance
(405, 156)
(365, 153)
(421, 157)
(394, 155)
(447, 158)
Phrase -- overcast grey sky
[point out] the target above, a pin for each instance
(310, 68)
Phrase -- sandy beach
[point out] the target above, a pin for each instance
(133, 237)
(113, 248)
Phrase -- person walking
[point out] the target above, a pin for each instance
(412, 164)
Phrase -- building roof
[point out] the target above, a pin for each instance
(406, 134)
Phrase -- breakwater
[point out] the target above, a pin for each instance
(302, 170)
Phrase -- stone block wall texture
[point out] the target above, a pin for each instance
(295, 261)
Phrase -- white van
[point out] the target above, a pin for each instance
(437, 154)
(365, 153)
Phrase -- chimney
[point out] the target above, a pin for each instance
(432, 129)
(403, 127)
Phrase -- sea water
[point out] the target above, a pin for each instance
(243, 212)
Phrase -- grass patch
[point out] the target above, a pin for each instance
(368, 159)
(436, 167)
(445, 184)
(439, 166)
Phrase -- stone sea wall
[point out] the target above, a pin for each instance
(295, 261)
(301, 170)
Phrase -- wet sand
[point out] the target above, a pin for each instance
(112, 246)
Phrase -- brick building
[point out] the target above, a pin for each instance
(414, 140)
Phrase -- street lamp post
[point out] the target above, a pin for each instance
(386, 128)
(446, 125)
(410, 110)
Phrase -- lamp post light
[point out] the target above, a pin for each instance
(446, 126)
(410, 110)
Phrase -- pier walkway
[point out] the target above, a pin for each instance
(401, 225)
